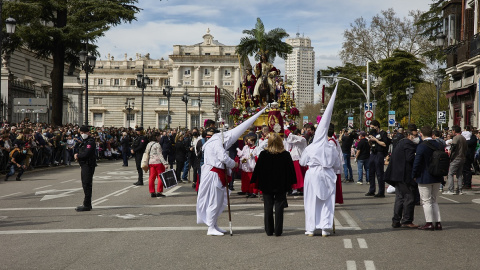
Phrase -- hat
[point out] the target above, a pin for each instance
(287, 132)
(84, 129)
(139, 129)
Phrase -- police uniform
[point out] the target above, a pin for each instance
(87, 160)
(138, 147)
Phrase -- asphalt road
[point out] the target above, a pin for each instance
(128, 229)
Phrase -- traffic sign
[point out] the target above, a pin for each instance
(368, 106)
(369, 115)
(367, 123)
(305, 119)
(350, 121)
(442, 117)
(391, 118)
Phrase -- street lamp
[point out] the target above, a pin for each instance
(167, 91)
(10, 24)
(350, 113)
(185, 99)
(199, 105)
(374, 105)
(438, 84)
(409, 91)
(129, 106)
(142, 81)
(88, 64)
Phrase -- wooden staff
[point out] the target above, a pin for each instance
(226, 187)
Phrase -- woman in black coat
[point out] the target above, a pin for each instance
(275, 175)
(180, 156)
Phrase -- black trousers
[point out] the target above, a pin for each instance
(138, 163)
(404, 207)
(179, 169)
(278, 199)
(87, 182)
(376, 165)
(467, 173)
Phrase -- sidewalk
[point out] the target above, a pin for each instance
(475, 182)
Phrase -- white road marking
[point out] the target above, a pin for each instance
(10, 195)
(67, 181)
(42, 187)
(111, 194)
(121, 193)
(351, 265)
(99, 202)
(347, 243)
(448, 199)
(362, 243)
(476, 201)
(171, 191)
(3, 217)
(369, 265)
(348, 218)
(57, 193)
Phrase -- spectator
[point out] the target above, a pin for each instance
(458, 151)
(362, 156)
(346, 139)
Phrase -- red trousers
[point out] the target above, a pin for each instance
(246, 186)
(155, 171)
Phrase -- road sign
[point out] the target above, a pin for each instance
(367, 123)
(391, 118)
(350, 121)
(368, 106)
(305, 120)
(369, 115)
(442, 117)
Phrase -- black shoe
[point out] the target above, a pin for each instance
(153, 195)
(179, 181)
(369, 194)
(239, 193)
(379, 195)
(18, 179)
(350, 180)
(194, 185)
(396, 225)
(124, 165)
(231, 189)
(159, 194)
(82, 208)
(138, 183)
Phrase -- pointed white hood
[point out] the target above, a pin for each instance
(231, 136)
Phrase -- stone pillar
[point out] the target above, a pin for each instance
(175, 77)
(236, 79)
(196, 76)
(216, 76)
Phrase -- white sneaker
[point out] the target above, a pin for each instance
(448, 193)
(214, 232)
(359, 183)
(309, 233)
(219, 229)
(461, 192)
(325, 233)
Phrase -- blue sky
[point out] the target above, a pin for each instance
(164, 23)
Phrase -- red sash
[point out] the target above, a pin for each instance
(222, 175)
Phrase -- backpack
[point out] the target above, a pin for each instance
(439, 163)
(13, 152)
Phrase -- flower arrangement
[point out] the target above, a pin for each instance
(234, 112)
(294, 111)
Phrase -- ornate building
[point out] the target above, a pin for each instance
(300, 67)
(194, 69)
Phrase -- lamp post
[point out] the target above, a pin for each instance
(10, 24)
(185, 99)
(409, 92)
(142, 81)
(129, 106)
(374, 105)
(167, 91)
(350, 113)
(438, 84)
(88, 64)
(199, 105)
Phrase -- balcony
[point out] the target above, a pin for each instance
(463, 51)
(452, 58)
(475, 50)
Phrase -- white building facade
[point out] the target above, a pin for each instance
(195, 69)
(300, 69)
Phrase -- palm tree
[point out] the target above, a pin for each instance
(258, 42)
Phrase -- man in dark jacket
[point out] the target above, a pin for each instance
(87, 160)
(125, 143)
(469, 157)
(428, 185)
(138, 148)
(379, 145)
(401, 164)
(346, 139)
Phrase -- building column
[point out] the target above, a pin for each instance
(216, 76)
(196, 76)
(81, 109)
(175, 76)
(236, 79)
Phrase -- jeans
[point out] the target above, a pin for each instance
(11, 170)
(362, 164)
(347, 167)
(185, 169)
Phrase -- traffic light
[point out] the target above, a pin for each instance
(319, 74)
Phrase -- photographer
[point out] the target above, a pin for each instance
(378, 141)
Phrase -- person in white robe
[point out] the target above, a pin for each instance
(296, 145)
(323, 161)
(212, 194)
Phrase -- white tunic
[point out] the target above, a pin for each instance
(212, 199)
(247, 154)
(297, 145)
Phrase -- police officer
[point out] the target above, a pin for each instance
(138, 148)
(87, 160)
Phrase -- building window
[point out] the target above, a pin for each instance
(207, 72)
(194, 102)
(227, 73)
(227, 83)
(45, 70)
(130, 117)
(116, 81)
(187, 72)
(207, 83)
(227, 54)
(166, 82)
(195, 120)
(449, 28)
(187, 53)
(116, 68)
(162, 120)
(27, 65)
(97, 100)
(100, 81)
(186, 83)
(150, 81)
(83, 81)
(207, 53)
(98, 119)
(162, 101)
(133, 82)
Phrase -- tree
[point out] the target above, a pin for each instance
(424, 103)
(379, 39)
(258, 42)
(431, 23)
(59, 29)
